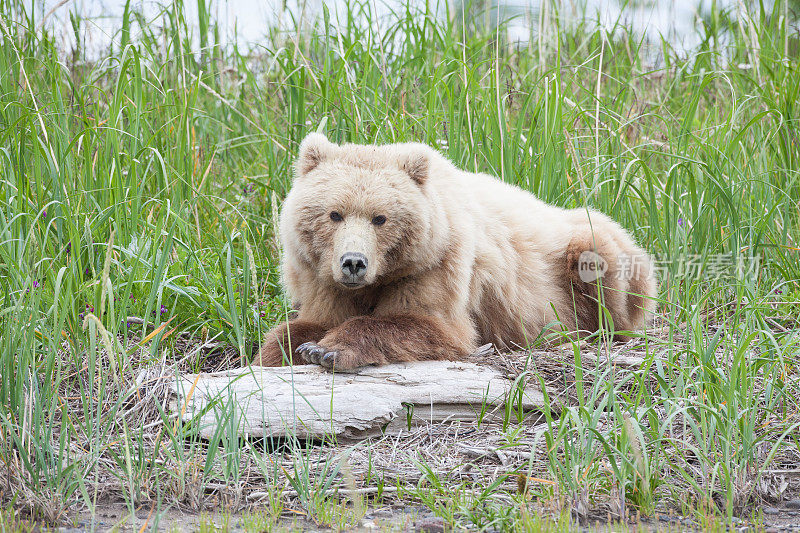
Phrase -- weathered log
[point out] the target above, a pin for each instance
(308, 401)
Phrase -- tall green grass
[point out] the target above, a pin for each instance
(138, 194)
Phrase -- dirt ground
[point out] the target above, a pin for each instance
(117, 517)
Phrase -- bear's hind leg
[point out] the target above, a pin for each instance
(277, 348)
(607, 272)
(368, 340)
(642, 289)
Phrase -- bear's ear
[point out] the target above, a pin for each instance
(416, 166)
(314, 149)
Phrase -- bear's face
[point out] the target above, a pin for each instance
(356, 217)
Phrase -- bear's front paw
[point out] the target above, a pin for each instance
(328, 358)
(311, 352)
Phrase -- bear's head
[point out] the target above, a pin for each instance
(360, 215)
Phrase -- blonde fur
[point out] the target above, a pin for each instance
(462, 259)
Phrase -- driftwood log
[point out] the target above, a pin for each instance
(310, 402)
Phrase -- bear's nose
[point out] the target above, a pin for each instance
(354, 265)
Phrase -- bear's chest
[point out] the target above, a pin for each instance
(365, 304)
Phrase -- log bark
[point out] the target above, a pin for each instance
(310, 402)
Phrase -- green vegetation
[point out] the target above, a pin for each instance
(138, 193)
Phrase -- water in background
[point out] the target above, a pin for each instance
(245, 22)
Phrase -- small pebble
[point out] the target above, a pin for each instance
(793, 504)
(770, 510)
(431, 524)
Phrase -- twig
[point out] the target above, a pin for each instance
(347, 492)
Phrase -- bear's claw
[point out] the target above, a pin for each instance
(318, 355)
(312, 351)
(329, 359)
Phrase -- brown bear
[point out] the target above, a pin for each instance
(391, 253)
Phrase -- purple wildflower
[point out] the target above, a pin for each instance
(36, 284)
(69, 247)
(680, 221)
(87, 271)
(778, 291)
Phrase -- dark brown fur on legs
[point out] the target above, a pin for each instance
(276, 349)
(590, 297)
(366, 340)
(639, 286)
(622, 280)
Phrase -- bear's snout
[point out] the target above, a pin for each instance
(354, 267)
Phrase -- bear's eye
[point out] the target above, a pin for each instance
(335, 216)
(379, 220)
